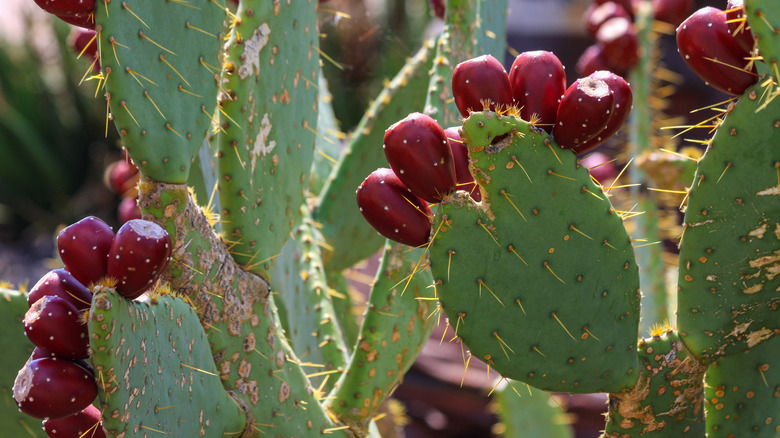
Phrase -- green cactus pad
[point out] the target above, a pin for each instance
(16, 350)
(268, 121)
(730, 250)
(539, 280)
(155, 371)
(395, 327)
(298, 279)
(327, 148)
(743, 393)
(526, 412)
(254, 361)
(160, 66)
(764, 19)
(668, 398)
(349, 236)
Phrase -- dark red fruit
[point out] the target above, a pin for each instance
(54, 324)
(438, 8)
(53, 388)
(84, 424)
(628, 5)
(619, 40)
(417, 150)
(67, 7)
(481, 79)
(138, 256)
(597, 14)
(85, 20)
(707, 46)
(393, 210)
(40, 353)
(61, 283)
(128, 210)
(593, 60)
(601, 168)
(738, 25)
(672, 11)
(83, 42)
(538, 81)
(460, 156)
(122, 177)
(83, 248)
(622, 98)
(584, 111)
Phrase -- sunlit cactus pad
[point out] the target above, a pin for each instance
(539, 280)
(155, 370)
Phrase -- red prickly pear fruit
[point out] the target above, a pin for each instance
(138, 256)
(672, 11)
(481, 79)
(83, 248)
(128, 210)
(86, 423)
(55, 325)
(538, 81)
(460, 157)
(83, 42)
(584, 111)
(738, 25)
(628, 5)
(122, 177)
(393, 210)
(53, 388)
(67, 7)
(593, 60)
(601, 168)
(438, 8)
(40, 353)
(708, 48)
(597, 14)
(417, 150)
(85, 20)
(619, 39)
(622, 98)
(63, 284)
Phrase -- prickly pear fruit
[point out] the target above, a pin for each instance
(600, 167)
(417, 150)
(538, 81)
(122, 177)
(619, 39)
(622, 98)
(84, 42)
(128, 210)
(55, 325)
(83, 248)
(672, 11)
(738, 25)
(708, 48)
(67, 7)
(481, 79)
(86, 423)
(393, 210)
(584, 111)
(53, 388)
(138, 255)
(593, 60)
(596, 15)
(40, 353)
(438, 7)
(63, 284)
(460, 157)
(628, 5)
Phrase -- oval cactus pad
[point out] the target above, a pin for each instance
(539, 279)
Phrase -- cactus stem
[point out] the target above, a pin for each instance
(511, 248)
(504, 346)
(479, 222)
(127, 8)
(546, 264)
(506, 195)
(482, 283)
(554, 315)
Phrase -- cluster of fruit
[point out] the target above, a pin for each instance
(122, 177)
(719, 47)
(610, 23)
(429, 163)
(79, 13)
(57, 383)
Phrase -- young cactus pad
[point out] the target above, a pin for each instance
(539, 280)
(159, 66)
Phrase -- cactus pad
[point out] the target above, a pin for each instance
(539, 280)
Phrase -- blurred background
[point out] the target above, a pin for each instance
(55, 147)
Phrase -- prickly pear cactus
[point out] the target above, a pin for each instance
(539, 280)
